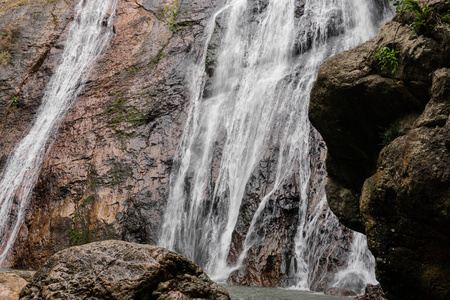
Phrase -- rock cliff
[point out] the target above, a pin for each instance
(388, 135)
(105, 175)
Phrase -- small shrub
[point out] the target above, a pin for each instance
(172, 12)
(387, 57)
(15, 101)
(422, 14)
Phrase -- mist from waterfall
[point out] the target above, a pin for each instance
(267, 62)
(88, 36)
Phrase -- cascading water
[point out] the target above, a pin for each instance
(267, 62)
(88, 36)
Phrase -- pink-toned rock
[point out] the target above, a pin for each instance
(12, 282)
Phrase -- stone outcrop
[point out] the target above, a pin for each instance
(12, 282)
(106, 173)
(388, 135)
(121, 270)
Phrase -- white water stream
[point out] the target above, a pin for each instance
(88, 36)
(260, 97)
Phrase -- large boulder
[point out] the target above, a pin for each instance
(121, 270)
(388, 136)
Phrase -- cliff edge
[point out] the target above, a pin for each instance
(388, 134)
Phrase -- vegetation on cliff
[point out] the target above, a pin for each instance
(389, 149)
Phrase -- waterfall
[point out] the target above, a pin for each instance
(266, 64)
(260, 95)
(88, 36)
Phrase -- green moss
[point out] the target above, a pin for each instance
(181, 25)
(124, 118)
(132, 69)
(87, 201)
(5, 57)
(8, 40)
(119, 173)
(79, 232)
(446, 17)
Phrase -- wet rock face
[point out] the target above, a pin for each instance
(271, 261)
(121, 270)
(30, 43)
(373, 292)
(389, 154)
(106, 173)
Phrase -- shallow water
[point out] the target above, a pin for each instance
(261, 293)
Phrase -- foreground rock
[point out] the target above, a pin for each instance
(12, 282)
(388, 137)
(373, 292)
(121, 270)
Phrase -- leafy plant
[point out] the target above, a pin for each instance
(172, 11)
(387, 57)
(15, 101)
(422, 14)
(446, 17)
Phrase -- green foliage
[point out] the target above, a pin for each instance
(119, 173)
(125, 118)
(5, 57)
(389, 134)
(132, 69)
(15, 101)
(7, 43)
(172, 12)
(422, 14)
(446, 17)
(387, 57)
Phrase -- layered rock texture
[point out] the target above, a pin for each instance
(121, 270)
(106, 173)
(388, 135)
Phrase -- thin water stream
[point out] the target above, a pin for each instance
(88, 36)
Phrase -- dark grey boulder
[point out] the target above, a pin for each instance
(121, 270)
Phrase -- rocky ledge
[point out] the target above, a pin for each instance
(388, 136)
(12, 282)
(121, 270)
